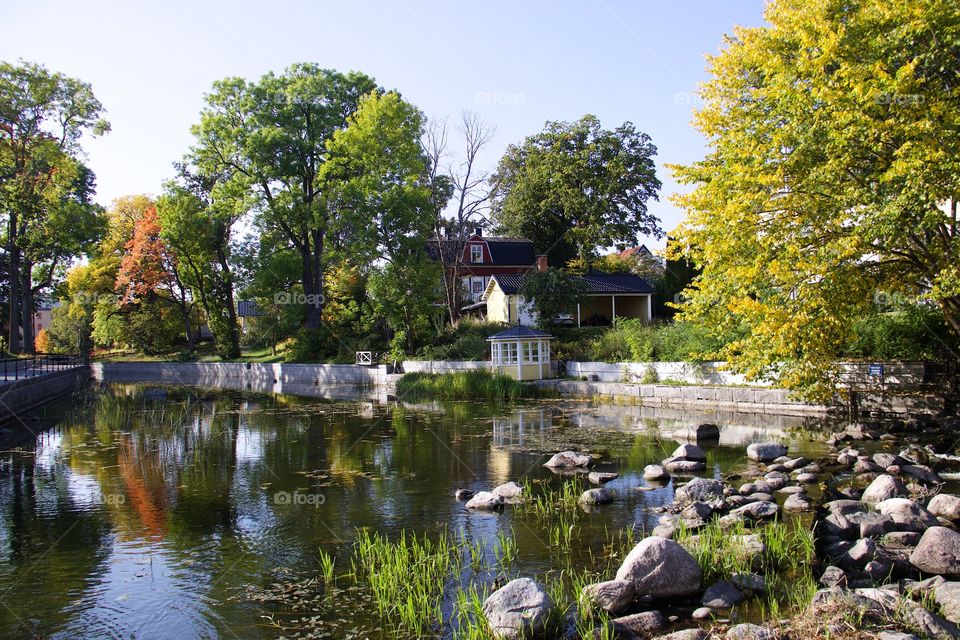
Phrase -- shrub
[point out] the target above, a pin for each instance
(465, 341)
(914, 332)
(474, 384)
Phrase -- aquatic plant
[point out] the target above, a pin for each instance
(473, 384)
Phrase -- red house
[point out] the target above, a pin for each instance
(484, 257)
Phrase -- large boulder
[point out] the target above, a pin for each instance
(944, 505)
(907, 514)
(673, 465)
(656, 473)
(613, 596)
(600, 495)
(798, 502)
(510, 491)
(883, 488)
(602, 477)
(947, 595)
(484, 500)
(569, 460)
(721, 595)
(690, 452)
(661, 568)
(765, 451)
(702, 489)
(519, 609)
(638, 625)
(938, 552)
(763, 510)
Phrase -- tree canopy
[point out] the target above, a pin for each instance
(833, 174)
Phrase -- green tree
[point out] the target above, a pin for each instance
(575, 187)
(834, 172)
(269, 140)
(44, 188)
(551, 293)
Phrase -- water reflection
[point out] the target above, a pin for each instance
(149, 512)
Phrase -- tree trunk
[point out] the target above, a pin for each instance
(26, 305)
(233, 333)
(13, 251)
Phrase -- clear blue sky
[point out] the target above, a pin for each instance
(517, 64)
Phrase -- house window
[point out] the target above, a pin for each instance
(476, 253)
(478, 285)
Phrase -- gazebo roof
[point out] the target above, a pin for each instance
(519, 331)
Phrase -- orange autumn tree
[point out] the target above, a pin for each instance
(148, 277)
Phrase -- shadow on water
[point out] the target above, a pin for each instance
(186, 512)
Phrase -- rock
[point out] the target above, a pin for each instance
(833, 577)
(684, 466)
(702, 613)
(947, 595)
(795, 463)
(883, 488)
(569, 460)
(888, 459)
(837, 525)
(901, 539)
(697, 510)
(600, 495)
(463, 494)
(702, 489)
(938, 552)
(690, 452)
(865, 465)
(876, 525)
(655, 472)
(847, 457)
(862, 552)
(756, 511)
(509, 491)
(944, 505)
(665, 531)
(845, 507)
(638, 624)
(792, 489)
(896, 635)
(922, 473)
(765, 451)
(686, 634)
(613, 596)
(907, 514)
(807, 478)
(931, 626)
(797, 502)
(661, 568)
(749, 582)
(484, 500)
(601, 477)
(748, 631)
(776, 480)
(706, 431)
(722, 595)
(519, 609)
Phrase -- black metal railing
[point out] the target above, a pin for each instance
(40, 364)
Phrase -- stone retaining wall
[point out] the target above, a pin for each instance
(255, 373)
(20, 396)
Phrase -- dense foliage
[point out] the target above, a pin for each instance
(475, 384)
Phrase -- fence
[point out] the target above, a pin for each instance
(39, 364)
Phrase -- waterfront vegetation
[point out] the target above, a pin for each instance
(471, 384)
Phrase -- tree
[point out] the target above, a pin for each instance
(376, 182)
(467, 187)
(834, 172)
(575, 187)
(551, 293)
(42, 117)
(269, 139)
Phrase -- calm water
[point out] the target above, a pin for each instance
(174, 512)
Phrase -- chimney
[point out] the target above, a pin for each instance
(478, 231)
(542, 263)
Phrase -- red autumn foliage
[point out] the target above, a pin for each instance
(146, 265)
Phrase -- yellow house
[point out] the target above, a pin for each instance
(521, 353)
(608, 297)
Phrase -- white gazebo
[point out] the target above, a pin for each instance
(521, 352)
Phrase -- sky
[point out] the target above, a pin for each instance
(516, 64)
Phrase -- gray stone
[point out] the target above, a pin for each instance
(938, 552)
(797, 502)
(862, 552)
(697, 510)
(765, 451)
(463, 494)
(756, 511)
(702, 489)
(907, 514)
(509, 491)
(901, 538)
(947, 595)
(702, 613)
(661, 568)
(613, 596)
(519, 609)
(748, 631)
(896, 635)
(795, 463)
(484, 500)
(601, 477)
(690, 452)
(569, 460)
(921, 472)
(883, 488)
(807, 478)
(686, 634)
(888, 459)
(639, 624)
(722, 595)
(749, 582)
(944, 505)
(683, 466)
(833, 577)
(600, 495)
(845, 507)
(655, 472)
(776, 480)
(836, 524)
(792, 489)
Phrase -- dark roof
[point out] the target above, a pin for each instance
(503, 250)
(249, 309)
(519, 331)
(594, 283)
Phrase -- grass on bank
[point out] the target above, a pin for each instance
(476, 384)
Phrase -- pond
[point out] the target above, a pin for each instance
(178, 512)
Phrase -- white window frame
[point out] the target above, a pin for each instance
(476, 253)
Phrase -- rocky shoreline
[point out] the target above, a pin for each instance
(885, 535)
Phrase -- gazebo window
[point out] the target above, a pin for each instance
(531, 352)
(509, 350)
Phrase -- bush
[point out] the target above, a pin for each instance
(632, 340)
(911, 333)
(474, 384)
(465, 341)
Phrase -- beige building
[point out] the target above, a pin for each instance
(521, 353)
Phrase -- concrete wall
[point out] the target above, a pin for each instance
(19, 396)
(211, 373)
(443, 366)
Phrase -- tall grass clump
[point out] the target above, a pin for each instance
(474, 384)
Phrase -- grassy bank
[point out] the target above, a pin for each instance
(477, 384)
